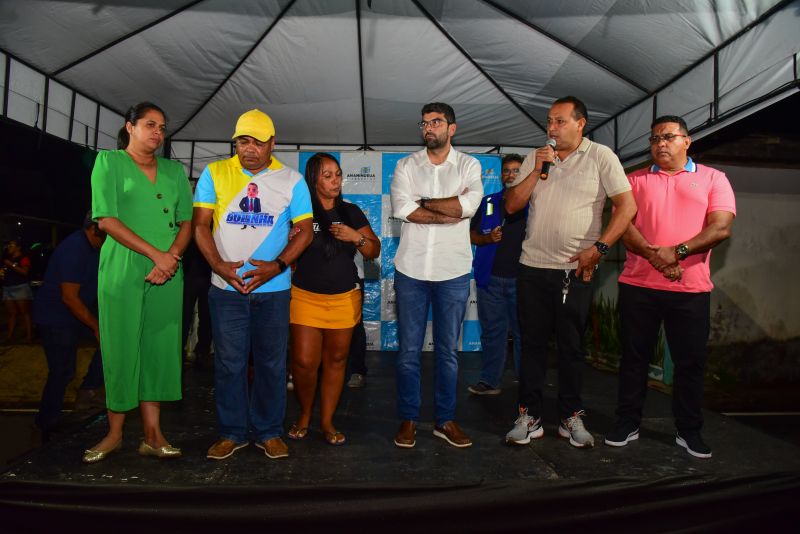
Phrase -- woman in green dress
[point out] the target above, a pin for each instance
(143, 202)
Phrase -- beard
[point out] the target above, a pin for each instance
(434, 141)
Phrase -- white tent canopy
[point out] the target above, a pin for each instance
(356, 72)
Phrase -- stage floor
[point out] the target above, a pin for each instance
(651, 475)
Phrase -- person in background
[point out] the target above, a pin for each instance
(143, 202)
(358, 344)
(196, 283)
(326, 296)
(17, 294)
(498, 239)
(65, 312)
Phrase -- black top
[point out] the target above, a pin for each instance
(194, 264)
(338, 274)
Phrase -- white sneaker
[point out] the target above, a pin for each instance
(572, 428)
(525, 429)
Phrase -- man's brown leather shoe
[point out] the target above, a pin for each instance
(223, 448)
(406, 437)
(274, 448)
(452, 434)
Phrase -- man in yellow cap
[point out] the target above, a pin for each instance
(249, 296)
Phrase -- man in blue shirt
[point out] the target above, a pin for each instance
(65, 311)
(498, 240)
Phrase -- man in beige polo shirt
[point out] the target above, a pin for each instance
(563, 245)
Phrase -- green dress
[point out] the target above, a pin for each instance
(140, 323)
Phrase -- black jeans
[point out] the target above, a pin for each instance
(195, 290)
(358, 343)
(541, 312)
(687, 322)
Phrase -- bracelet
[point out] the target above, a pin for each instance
(362, 241)
(281, 264)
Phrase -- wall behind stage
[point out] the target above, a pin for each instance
(756, 295)
(367, 181)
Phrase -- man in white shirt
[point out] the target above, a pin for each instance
(434, 192)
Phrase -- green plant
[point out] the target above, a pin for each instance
(604, 338)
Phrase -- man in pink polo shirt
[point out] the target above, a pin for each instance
(685, 210)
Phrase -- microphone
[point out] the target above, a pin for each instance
(546, 164)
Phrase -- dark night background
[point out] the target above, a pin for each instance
(45, 185)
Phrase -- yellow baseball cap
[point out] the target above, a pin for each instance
(256, 124)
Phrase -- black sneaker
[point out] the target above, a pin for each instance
(624, 432)
(694, 444)
(482, 388)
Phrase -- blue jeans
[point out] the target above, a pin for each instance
(258, 322)
(449, 300)
(497, 313)
(61, 349)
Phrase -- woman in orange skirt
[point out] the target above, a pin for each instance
(326, 297)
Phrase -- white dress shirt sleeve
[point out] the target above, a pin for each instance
(403, 201)
(471, 200)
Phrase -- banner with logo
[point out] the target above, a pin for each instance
(367, 178)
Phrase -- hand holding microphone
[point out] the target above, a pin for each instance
(545, 172)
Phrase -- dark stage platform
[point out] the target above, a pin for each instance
(752, 481)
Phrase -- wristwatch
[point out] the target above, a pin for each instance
(281, 264)
(422, 202)
(682, 251)
(601, 247)
(361, 242)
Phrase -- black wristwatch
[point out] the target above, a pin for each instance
(281, 264)
(422, 202)
(682, 251)
(601, 247)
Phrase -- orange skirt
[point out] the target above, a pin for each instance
(342, 310)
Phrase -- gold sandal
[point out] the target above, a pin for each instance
(297, 433)
(334, 438)
(92, 456)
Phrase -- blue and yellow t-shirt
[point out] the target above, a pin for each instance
(252, 213)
